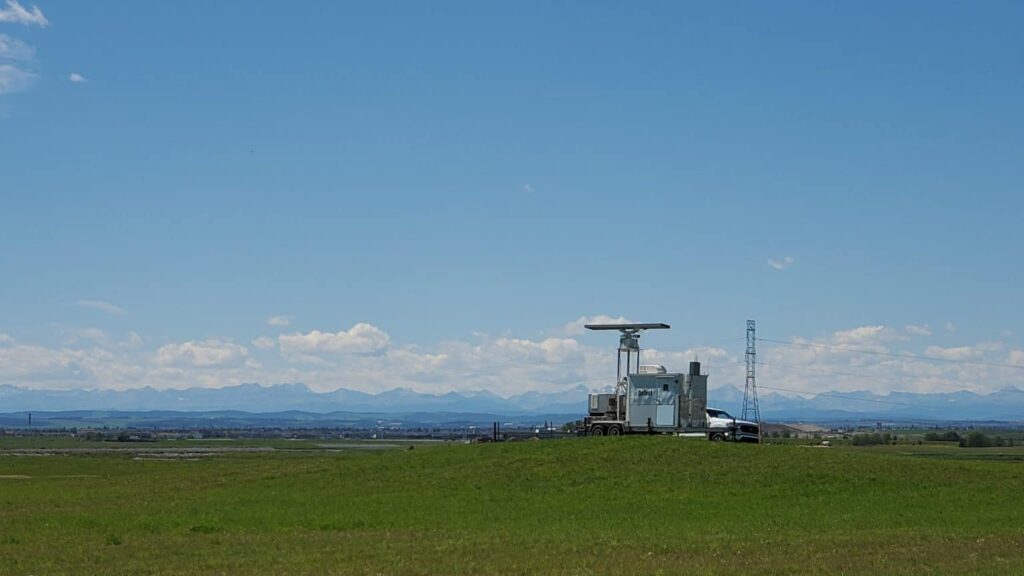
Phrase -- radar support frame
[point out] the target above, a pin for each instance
(629, 344)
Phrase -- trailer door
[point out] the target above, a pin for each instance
(666, 415)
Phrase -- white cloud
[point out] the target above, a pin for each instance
(549, 350)
(16, 57)
(957, 353)
(918, 330)
(133, 341)
(75, 335)
(865, 336)
(876, 358)
(78, 336)
(279, 320)
(16, 13)
(77, 78)
(782, 263)
(679, 361)
(950, 327)
(14, 79)
(362, 338)
(102, 307)
(14, 49)
(264, 343)
(21, 360)
(577, 326)
(975, 352)
(206, 354)
(364, 357)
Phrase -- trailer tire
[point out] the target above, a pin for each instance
(615, 430)
(717, 437)
(597, 430)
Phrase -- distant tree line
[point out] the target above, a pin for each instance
(947, 436)
(974, 439)
(980, 440)
(873, 439)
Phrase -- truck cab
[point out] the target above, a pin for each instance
(723, 426)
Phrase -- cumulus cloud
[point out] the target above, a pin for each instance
(550, 350)
(876, 358)
(133, 341)
(206, 354)
(14, 79)
(362, 338)
(279, 320)
(264, 343)
(19, 360)
(75, 335)
(14, 49)
(364, 357)
(781, 263)
(77, 78)
(18, 14)
(975, 352)
(102, 306)
(16, 57)
(576, 327)
(956, 353)
(865, 336)
(918, 330)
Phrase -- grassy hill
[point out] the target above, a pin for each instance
(644, 505)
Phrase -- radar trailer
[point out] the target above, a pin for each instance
(650, 400)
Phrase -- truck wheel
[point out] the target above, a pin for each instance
(597, 430)
(615, 430)
(717, 437)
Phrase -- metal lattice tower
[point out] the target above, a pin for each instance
(751, 411)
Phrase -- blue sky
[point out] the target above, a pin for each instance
(469, 178)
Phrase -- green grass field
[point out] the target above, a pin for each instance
(644, 505)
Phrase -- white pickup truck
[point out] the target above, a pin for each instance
(725, 427)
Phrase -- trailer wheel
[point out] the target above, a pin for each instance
(615, 430)
(597, 430)
(717, 437)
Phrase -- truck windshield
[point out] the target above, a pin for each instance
(718, 414)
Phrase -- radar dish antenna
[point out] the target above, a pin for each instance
(629, 344)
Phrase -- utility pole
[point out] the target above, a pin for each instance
(751, 411)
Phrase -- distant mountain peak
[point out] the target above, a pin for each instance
(1006, 404)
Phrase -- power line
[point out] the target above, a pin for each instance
(845, 397)
(1010, 417)
(823, 371)
(905, 355)
(827, 372)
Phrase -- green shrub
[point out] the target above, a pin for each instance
(947, 436)
(869, 439)
(977, 440)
